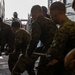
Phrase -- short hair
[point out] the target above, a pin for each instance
(73, 4)
(15, 24)
(58, 6)
(44, 9)
(36, 8)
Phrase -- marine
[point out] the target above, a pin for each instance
(6, 37)
(43, 29)
(64, 39)
(22, 39)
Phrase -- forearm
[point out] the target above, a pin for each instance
(31, 48)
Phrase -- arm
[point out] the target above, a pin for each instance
(10, 40)
(59, 45)
(36, 32)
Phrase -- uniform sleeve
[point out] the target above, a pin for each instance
(35, 36)
(59, 43)
(11, 39)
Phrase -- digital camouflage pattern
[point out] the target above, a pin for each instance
(22, 39)
(43, 29)
(63, 42)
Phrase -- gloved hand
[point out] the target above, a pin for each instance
(52, 62)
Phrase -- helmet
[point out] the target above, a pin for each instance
(15, 14)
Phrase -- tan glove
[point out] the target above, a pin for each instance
(52, 62)
(69, 57)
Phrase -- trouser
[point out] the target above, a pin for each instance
(43, 69)
(13, 58)
(25, 63)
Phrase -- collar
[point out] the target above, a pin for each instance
(64, 20)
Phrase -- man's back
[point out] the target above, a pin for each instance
(47, 30)
(22, 39)
(44, 30)
(69, 29)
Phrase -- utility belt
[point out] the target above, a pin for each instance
(42, 54)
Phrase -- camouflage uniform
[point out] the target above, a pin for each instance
(43, 29)
(22, 39)
(6, 37)
(63, 42)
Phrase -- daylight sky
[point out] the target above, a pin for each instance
(23, 7)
